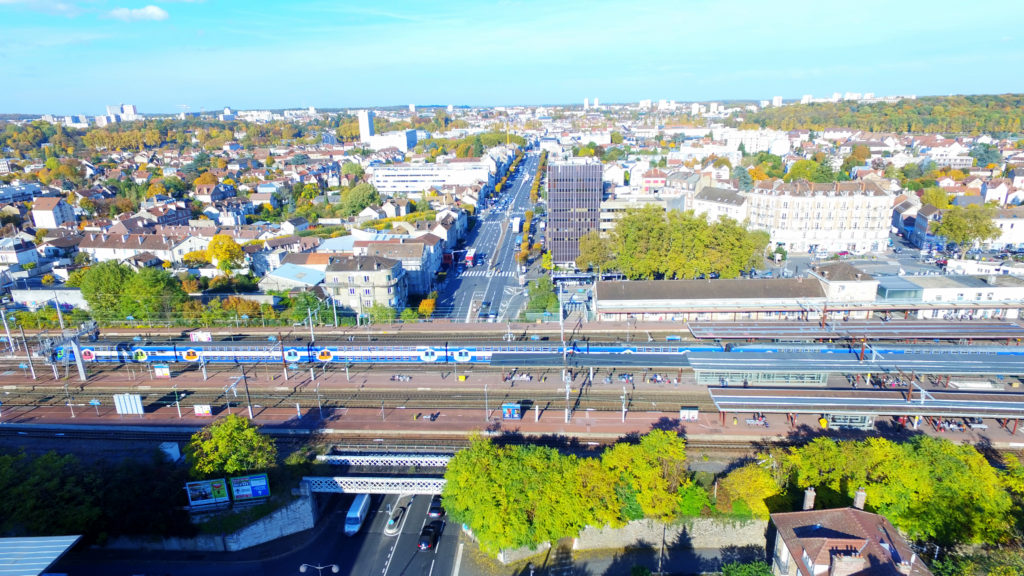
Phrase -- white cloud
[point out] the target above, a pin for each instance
(133, 14)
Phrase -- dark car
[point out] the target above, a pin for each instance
(436, 510)
(428, 537)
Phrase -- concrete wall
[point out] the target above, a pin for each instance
(297, 516)
(697, 533)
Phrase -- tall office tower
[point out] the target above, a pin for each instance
(597, 103)
(365, 125)
(574, 206)
(412, 108)
(586, 103)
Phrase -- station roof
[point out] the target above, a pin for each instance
(850, 363)
(869, 401)
(870, 329)
(32, 556)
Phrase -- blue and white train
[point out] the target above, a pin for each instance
(475, 353)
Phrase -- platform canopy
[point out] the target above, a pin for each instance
(32, 556)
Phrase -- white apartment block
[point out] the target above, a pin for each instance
(810, 217)
(413, 179)
(716, 202)
(614, 208)
(754, 141)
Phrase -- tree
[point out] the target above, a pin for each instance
(595, 252)
(936, 197)
(224, 250)
(352, 169)
(354, 200)
(156, 189)
(426, 308)
(751, 484)
(746, 183)
(986, 154)
(546, 261)
(802, 170)
(206, 178)
(151, 294)
(967, 226)
(381, 313)
(103, 285)
(230, 446)
(48, 280)
(616, 137)
(652, 471)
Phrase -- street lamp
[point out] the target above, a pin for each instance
(319, 569)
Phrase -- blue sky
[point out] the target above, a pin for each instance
(77, 56)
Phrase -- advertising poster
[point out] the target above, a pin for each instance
(203, 410)
(250, 487)
(207, 492)
(161, 370)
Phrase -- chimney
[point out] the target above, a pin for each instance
(859, 498)
(858, 275)
(809, 498)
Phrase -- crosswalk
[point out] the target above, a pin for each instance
(485, 273)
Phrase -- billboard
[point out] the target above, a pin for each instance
(161, 370)
(200, 336)
(207, 492)
(250, 487)
(511, 411)
(203, 410)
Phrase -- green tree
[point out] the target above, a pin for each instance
(616, 137)
(742, 176)
(802, 170)
(352, 169)
(410, 315)
(542, 296)
(102, 287)
(228, 446)
(354, 200)
(381, 313)
(152, 294)
(758, 568)
(986, 154)
(595, 252)
(967, 226)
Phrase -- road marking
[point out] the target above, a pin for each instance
(431, 568)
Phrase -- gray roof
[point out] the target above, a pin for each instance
(841, 272)
(721, 289)
(353, 263)
(721, 196)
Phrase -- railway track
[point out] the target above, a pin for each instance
(419, 400)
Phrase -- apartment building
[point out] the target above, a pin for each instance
(413, 179)
(806, 216)
(359, 282)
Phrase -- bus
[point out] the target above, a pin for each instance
(471, 257)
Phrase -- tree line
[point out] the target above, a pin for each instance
(651, 244)
(994, 114)
(931, 489)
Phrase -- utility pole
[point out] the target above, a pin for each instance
(334, 306)
(10, 342)
(245, 382)
(623, 403)
(309, 318)
(28, 353)
(60, 316)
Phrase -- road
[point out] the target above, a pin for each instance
(496, 279)
(370, 551)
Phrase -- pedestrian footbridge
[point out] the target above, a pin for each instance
(383, 473)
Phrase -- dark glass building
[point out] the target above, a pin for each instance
(574, 206)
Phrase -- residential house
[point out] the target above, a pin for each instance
(360, 282)
(294, 225)
(420, 260)
(15, 251)
(840, 542)
(50, 212)
(715, 202)
(210, 193)
(61, 251)
(395, 207)
(924, 226)
(653, 179)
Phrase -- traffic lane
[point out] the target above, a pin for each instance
(408, 559)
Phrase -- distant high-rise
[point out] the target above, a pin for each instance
(451, 108)
(365, 125)
(412, 108)
(574, 206)
(596, 103)
(776, 101)
(586, 103)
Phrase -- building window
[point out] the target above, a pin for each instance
(960, 296)
(366, 291)
(352, 291)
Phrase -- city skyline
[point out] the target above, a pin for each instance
(76, 57)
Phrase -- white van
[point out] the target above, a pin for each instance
(357, 514)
